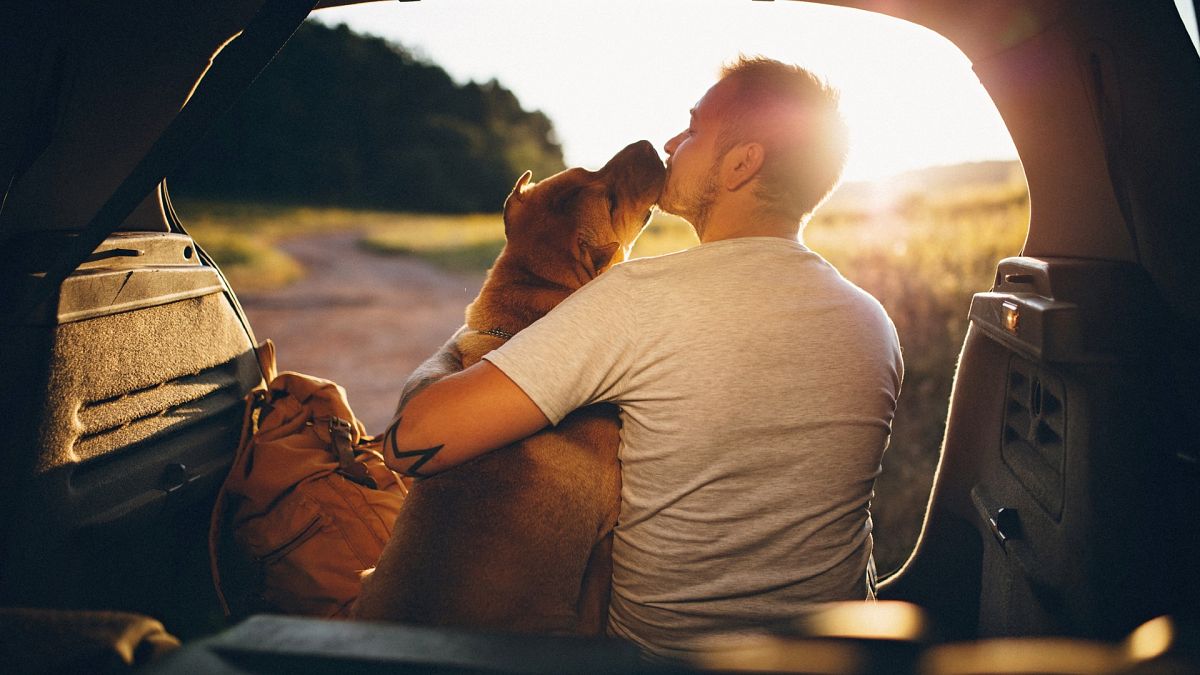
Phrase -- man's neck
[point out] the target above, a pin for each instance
(736, 223)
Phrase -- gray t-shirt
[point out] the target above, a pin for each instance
(756, 387)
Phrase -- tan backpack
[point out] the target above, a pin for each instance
(307, 506)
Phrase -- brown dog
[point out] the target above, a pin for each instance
(519, 539)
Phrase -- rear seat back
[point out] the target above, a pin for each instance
(130, 388)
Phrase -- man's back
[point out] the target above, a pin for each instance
(756, 388)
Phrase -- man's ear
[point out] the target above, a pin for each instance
(596, 258)
(741, 164)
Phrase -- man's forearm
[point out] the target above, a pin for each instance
(457, 419)
(407, 462)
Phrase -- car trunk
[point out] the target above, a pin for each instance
(1067, 491)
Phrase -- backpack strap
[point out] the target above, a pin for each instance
(266, 360)
(216, 526)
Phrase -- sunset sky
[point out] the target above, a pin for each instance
(608, 73)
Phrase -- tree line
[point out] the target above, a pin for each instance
(340, 118)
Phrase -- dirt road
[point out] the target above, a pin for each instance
(360, 319)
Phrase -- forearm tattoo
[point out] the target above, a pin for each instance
(389, 440)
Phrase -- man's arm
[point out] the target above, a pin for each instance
(561, 360)
(459, 418)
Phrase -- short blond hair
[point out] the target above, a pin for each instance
(794, 115)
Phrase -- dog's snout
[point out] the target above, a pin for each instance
(637, 171)
(639, 152)
(645, 152)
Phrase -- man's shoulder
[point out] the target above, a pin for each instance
(710, 256)
(858, 306)
(650, 264)
(639, 271)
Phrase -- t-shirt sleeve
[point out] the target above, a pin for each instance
(579, 353)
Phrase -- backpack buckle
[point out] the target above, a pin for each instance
(348, 468)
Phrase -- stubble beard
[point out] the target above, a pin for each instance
(696, 206)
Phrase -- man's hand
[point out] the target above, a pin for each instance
(459, 418)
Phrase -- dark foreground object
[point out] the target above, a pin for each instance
(278, 644)
(840, 638)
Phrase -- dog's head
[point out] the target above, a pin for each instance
(575, 224)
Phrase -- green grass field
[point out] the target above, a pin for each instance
(921, 256)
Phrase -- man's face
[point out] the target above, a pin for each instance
(692, 163)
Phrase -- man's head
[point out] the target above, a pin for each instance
(766, 127)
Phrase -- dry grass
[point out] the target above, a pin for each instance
(458, 243)
(243, 237)
(472, 242)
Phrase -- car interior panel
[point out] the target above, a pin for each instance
(1066, 445)
(131, 378)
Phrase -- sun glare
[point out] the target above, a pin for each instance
(609, 73)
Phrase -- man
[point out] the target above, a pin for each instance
(756, 385)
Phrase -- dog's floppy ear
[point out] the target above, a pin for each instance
(596, 258)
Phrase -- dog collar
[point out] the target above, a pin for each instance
(496, 332)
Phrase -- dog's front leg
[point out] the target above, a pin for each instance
(446, 361)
